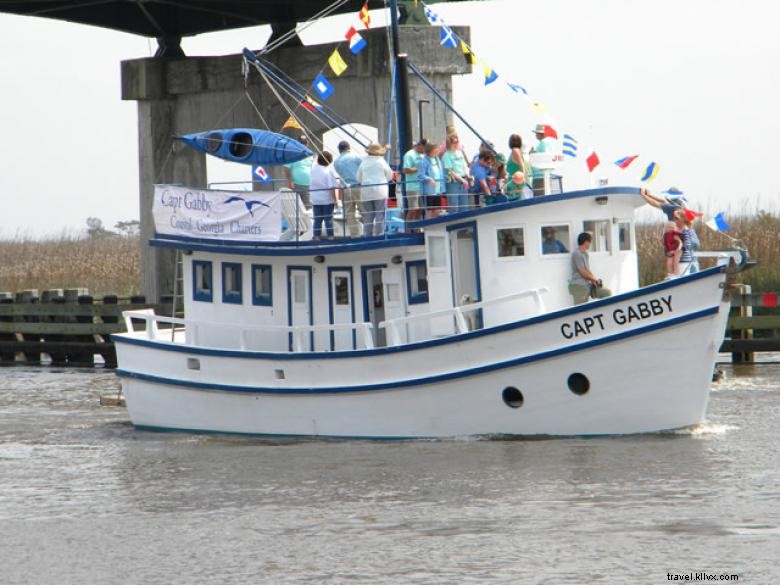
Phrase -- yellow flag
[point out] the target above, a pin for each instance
(336, 63)
(468, 54)
(292, 123)
(538, 107)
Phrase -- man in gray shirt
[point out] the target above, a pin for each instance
(583, 284)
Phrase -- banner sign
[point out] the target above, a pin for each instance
(218, 215)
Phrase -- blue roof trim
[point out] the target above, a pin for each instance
(587, 307)
(541, 200)
(429, 379)
(314, 248)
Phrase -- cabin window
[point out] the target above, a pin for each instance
(231, 283)
(261, 285)
(599, 229)
(202, 282)
(341, 290)
(555, 239)
(624, 235)
(417, 282)
(510, 242)
(437, 255)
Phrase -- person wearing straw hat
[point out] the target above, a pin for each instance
(373, 175)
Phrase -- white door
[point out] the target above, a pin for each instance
(394, 302)
(300, 306)
(465, 272)
(342, 309)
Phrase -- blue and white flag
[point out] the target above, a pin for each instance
(431, 15)
(718, 223)
(569, 146)
(448, 37)
(517, 88)
(322, 86)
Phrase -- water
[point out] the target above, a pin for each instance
(86, 499)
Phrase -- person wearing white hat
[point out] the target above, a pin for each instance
(374, 174)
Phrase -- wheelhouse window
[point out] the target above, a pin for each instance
(231, 283)
(599, 229)
(555, 239)
(510, 242)
(624, 236)
(261, 285)
(202, 281)
(417, 282)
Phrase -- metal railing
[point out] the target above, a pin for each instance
(397, 329)
(198, 331)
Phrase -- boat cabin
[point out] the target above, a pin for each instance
(456, 273)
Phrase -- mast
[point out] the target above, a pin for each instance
(401, 80)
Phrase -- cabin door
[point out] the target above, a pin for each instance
(299, 302)
(465, 267)
(373, 301)
(393, 301)
(342, 307)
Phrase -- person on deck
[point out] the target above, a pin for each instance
(668, 204)
(517, 163)
(346, 166)
(324, 183)
(431, 177)
(298, 175)
(480, 173)
(457, 174)
(374, 174)
(411, 162)
(688, 264)
(516, 187)
(673, 246)
(583, 284)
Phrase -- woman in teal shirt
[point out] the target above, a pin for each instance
(457, 172)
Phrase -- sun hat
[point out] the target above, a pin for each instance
(375, 149)
(539, 129)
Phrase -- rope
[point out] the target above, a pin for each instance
(289, 34)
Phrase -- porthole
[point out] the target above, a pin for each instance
(513, 398)
(579, 384)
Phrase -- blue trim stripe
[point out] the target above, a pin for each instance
(438, 378)
(584, 308)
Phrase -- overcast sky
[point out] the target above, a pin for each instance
(691, 84)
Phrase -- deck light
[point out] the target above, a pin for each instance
(319, 259)
(397, 259)
(602, 200)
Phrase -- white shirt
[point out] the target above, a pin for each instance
(323, 181)
(374, 170)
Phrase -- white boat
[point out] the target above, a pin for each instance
(465, 328)
(369, 338)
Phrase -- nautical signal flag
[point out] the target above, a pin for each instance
(538, 107)
(309, 104)
(592, 161)
(337, 63)
(690, 215)
(468, 54)
(323, 87)
(448, 37)
(365, 17)
(517, 88)
(651, 172)
(718, 223)
(569, 146)
(625, 161)
(431, 15)
(356, 42)
(292, 123)
(260, 174)
(490, 75)
(549, 132)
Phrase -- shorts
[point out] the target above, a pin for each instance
(412, 200)
(433, 201)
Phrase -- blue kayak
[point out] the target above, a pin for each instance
(248, 146)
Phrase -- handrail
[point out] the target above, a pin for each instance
(461, 325)
(298, 332)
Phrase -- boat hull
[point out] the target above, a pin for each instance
(650, 374)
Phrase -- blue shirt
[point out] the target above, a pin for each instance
(554, 247)
(430, 168)
(669, 209)
(480, 173)
(346, 166)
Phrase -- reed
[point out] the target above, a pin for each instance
(106, 265)
(759, 232)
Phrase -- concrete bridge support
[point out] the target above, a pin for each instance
(191, 94)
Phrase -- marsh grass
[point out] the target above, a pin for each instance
(107, 265)
(759, 232)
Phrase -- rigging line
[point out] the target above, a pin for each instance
(289, 34)
(295, 90)
(229, 111)
(249, 97)
(322, 116)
